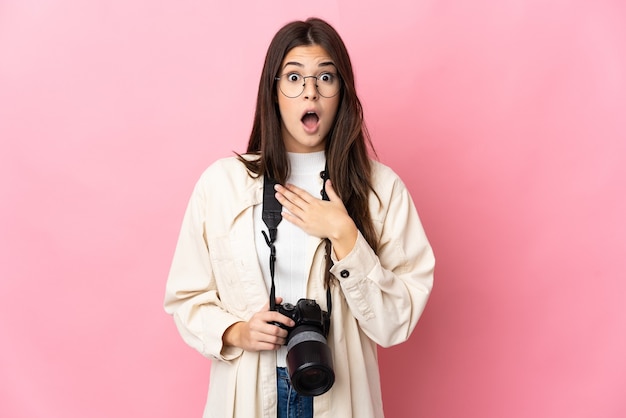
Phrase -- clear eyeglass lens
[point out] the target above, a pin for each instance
(292, 84)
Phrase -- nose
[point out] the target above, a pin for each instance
(310, 88)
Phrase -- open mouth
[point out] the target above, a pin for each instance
(310, 120)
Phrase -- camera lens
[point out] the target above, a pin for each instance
(309, 362)
(313, 380)
(313, 377)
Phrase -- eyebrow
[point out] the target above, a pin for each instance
(298, 64)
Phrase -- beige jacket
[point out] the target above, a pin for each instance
(215, 281)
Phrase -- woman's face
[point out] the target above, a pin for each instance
(307, 118)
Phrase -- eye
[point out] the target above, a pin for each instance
(293, 77)
(326, 78)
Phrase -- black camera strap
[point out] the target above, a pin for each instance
(272, 216)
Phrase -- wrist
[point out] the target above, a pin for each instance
(344, 240)
(231, 336)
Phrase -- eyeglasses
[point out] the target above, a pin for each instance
(292, 84)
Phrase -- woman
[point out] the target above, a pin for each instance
(361, 249)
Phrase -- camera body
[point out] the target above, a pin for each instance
(309, 360)
(305, 312)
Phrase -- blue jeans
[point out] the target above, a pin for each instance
(290, 403)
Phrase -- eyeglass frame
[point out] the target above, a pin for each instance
(316, 77)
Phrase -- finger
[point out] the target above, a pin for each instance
(277, 317)
(290, 217)
(260, 320)
(294, 193)
(288, 203)
(267, 347)
(269, 331)
(330, 191)
(266, 307)
(264, 341)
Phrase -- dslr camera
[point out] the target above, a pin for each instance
(309, 360)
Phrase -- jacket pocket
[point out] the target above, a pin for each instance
(227, 276)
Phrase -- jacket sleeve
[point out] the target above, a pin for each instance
(387, 292)
(191, 295)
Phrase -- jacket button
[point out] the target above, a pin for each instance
(344, 273)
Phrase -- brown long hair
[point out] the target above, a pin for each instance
(348, 142)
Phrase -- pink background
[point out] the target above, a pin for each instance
(504, 118)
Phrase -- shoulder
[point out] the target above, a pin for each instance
(227, 171)
(390, 192)
(384, 177)
(227, 168)
(227, 177)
